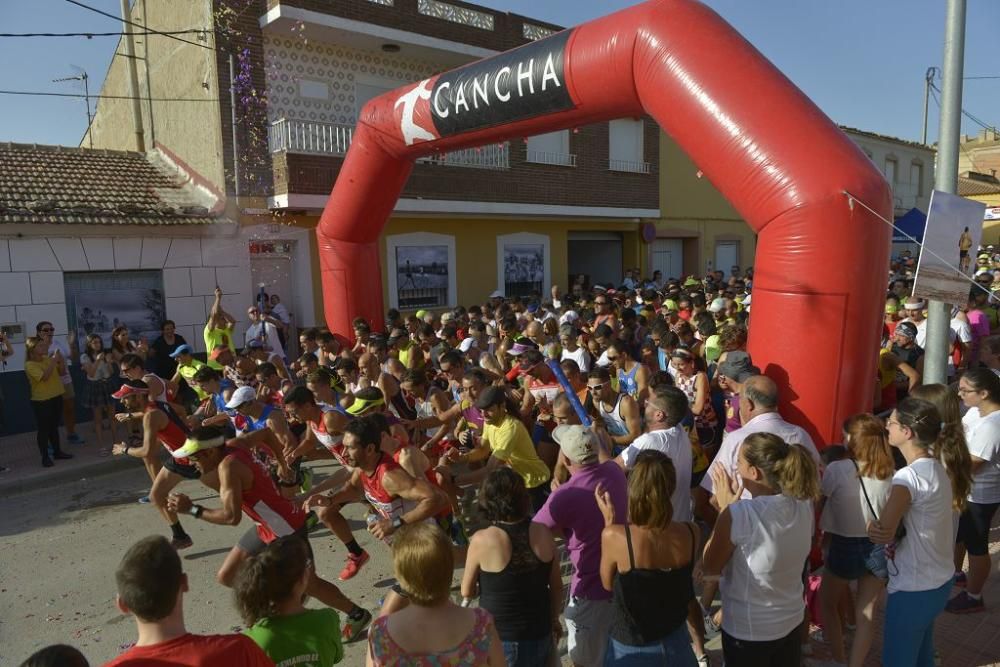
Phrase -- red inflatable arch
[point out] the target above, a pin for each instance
(821, 263)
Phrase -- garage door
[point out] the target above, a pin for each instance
(597, 255)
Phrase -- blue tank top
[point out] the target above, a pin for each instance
(259, 424)
(627, 383)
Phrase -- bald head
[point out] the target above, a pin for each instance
(534, 329)
(762, 391)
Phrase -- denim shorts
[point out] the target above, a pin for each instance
(528, 652)
(674, 650)
(851, 557)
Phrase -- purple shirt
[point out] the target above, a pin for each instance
(733, 422)
(572, 509)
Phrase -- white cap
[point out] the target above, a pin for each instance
(241, 396)
(718, 305)
(569, 317)
(497, 294)
(467, 344)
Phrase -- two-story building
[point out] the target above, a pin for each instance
(518, 216)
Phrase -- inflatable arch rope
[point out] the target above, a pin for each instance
(820, 264)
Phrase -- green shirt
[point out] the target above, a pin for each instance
(187, 372)
(309, 639)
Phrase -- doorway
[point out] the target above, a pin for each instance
(597, 255)
(667, 256)
(727, 255)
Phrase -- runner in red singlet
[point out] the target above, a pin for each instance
(398, 497)
(245, 487)
(158, 427)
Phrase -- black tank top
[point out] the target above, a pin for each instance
(649, 604)
(518, 595)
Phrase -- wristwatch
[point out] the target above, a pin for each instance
(398, 523)
(196, 511)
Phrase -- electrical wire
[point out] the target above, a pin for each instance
(137, 25)
(965, 113)
(961, 146)
(107, 97)
(89, 35)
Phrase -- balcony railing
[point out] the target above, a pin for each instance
(634, 167)
(558, 159)
(299, 136)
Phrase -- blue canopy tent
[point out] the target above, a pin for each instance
(910, 224)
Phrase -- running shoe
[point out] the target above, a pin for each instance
(353, 565)
(143, 500)
(704, 661)
(75, 439)
(963, 603)
(960, 580)
(312, 521)
(712, 628)
(307, 479)
(352, 629)
(179, 543)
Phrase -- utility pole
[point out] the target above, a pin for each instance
(133, 79)
(946, 175)
(86, 95)
(928, 82)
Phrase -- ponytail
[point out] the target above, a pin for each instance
(789, 469)
(267, 579)
(951, 450)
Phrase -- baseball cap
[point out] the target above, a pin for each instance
(533, 308)
(447, 317)
(907, 329)
(891, 308)
(181, 349)
(718, 305)
(192, 446)
(255, 344)
(421, 314)
(241, 396)
(467, 344)
(738, 366)
(131, 388)
(490, 396)
(362, 405)
(496, 294)
(569, 317)
(692, 282)
(578, 443)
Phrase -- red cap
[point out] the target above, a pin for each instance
(130, 390)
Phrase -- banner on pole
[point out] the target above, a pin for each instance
(948, 256)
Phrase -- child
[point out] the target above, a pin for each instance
(270, 596)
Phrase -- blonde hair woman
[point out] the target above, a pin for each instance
(759, 546)
(431, 630)
(44, 374)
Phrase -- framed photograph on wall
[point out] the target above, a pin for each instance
(422, 276)
(523, 265)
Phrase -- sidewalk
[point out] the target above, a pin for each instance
(20, 454)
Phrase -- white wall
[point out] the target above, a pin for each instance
(906, 193)
(31, 276)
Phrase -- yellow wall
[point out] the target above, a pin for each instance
(991, 228)
(691, 208)
(190, 130)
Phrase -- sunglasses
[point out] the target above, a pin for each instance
(596, 387)
(48, 330)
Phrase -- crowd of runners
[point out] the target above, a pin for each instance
(624, 426)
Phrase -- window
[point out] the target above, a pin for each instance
(97, 302)
(891, 170)
(917, 178)
(625, 146)
(551, 148)
(314, 89)
(421, 271)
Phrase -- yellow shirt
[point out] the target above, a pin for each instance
(411, 349)
(187, 372)
(215, 337)
(511, 443)
(43, 390)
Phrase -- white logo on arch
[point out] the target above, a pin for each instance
(412, 132)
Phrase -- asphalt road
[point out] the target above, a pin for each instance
(61, 546)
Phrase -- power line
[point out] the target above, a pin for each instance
(89, 35)
(973, 78)
(137, 25)
(968, 115)
(965, 151)
(108, 97)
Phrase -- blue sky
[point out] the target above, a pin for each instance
(861, 61)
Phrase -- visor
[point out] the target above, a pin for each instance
(194, 446)
(128, 390)
(362, 405)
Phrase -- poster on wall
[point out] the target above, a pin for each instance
(948, 257)
(523, 269)
(101, 311)
(422, 276)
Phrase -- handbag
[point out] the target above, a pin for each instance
(900, 528)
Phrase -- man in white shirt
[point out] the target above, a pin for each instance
(759, 414)
(262, 330)
(664, 412)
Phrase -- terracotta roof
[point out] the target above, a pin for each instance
(972, 184)
(59, 184)
(885, 137)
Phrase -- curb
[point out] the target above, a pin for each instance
(79, 472)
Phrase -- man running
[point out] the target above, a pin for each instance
(251, 416)
(397, 497)
(158, 427)
(245, 488)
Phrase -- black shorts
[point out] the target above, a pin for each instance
(185, 471)
(962, 254)
(253, 545)
(974, 527)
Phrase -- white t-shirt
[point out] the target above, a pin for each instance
(771, 422)
(924, 558)
(580, 356)
(846, 513)
(762, 582)
(954, 333)
(983, 436)
(267, 333)
(673, 442)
